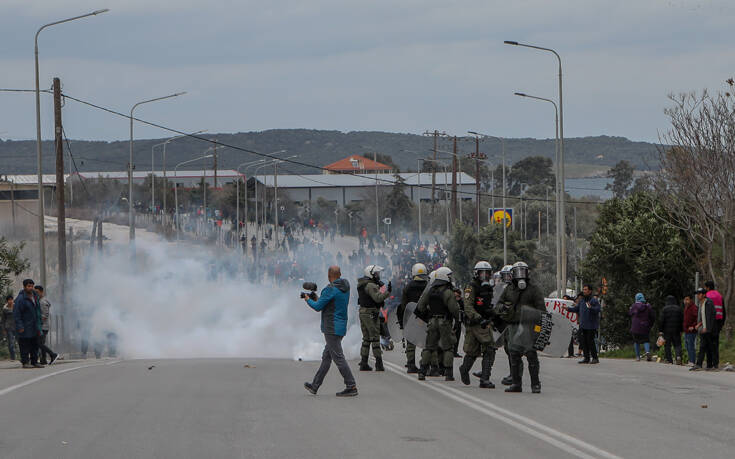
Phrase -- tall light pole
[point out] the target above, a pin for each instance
(153, 177)
(131, 215)
(176, 189)
(418, 193)
(41, 223)
(559, 192)
(561, 161)
(505, 223)
(237, 200)
(163, 162)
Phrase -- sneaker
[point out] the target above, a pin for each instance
(637, 358)
(584, 361)
(348, 392)
(27, 365)
(310, 387)
(695, 368)
(594, 361)
(38, 365)
(54, 358)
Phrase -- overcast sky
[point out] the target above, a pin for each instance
(387, 65)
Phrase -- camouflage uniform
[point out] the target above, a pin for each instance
(478, 340)
(440, 307)
(370, 300)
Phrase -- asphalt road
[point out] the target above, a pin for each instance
(221, 408)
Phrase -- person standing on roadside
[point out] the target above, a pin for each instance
(8, 325)
(672, 322)
(705, 326)
(588, 309)
(720, 316)
(45, 306)
(27, 316)
(690, 329)
(642, 319)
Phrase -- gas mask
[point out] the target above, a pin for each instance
(522, 284)
(485, 278)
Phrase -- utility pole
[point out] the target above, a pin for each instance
(454, 181)
(60, 204)
(215, 163)
(478, 156)
(436, 135)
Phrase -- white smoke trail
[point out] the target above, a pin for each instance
(169, 305)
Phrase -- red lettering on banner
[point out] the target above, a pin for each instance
(555, 305)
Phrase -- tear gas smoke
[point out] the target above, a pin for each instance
(175, 302)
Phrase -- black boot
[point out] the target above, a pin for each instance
(487, 365)
(422, 372)
(507, 381)
(533, 370)
(464, 369)
(379, 364)
(516, 372)
(434, 371)
(448, 373)
(412, 368)
(364, 364)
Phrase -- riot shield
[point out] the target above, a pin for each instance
(559, 340)
(522, 336)
(414, 328)
(497, 291)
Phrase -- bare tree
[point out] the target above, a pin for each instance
(696, 182)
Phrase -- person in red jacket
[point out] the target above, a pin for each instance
(690, 330)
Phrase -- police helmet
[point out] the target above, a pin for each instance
(419, 269)
(520, 270)
(507, 274)
(373, 271)
(483, 271)
(444, 274)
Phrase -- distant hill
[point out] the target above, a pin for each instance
(583, 155)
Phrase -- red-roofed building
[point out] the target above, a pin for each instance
(356, 164)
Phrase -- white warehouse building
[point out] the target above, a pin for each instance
(343, 189)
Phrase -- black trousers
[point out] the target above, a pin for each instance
(673, 339)
(45, 350)
(589, 348)
(516, 367)
(716, 342)
(28, 350)
(706, 349)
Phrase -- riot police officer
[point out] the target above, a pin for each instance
(411, 294)
(478, 338)
(438, 305)
(519, 294)
(371, 300)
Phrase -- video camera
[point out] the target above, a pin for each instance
(311, 294)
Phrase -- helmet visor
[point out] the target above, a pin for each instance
(484, 276)
(520, 272)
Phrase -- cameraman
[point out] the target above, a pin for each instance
(333, 305)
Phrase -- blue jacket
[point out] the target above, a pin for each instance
(333, 305)
(589, 317)
(27, 315)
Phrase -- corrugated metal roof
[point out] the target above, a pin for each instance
(137, 175)
(31, 179)
(349, 180)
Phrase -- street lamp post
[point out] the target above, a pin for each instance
(505, 224)
(559, 193)
(153, 177)
(131, 215)
(41, 223)
(446, 190)
(176, 189)
(561, 161)
(237, 200)
(163, 162)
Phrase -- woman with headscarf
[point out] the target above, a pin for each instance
(642, 320)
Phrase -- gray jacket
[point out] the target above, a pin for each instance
(8, 322)
(45, 311)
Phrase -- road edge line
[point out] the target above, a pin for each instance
(28, 382)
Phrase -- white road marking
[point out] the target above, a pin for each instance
(565, 442)
(7, 390)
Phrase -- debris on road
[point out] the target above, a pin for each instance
(151, 367)
(247, 365)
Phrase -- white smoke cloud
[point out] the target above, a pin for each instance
(171, 305)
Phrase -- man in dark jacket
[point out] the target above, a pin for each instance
(690, 328)
(333, 305)
(27, 315)
(705, 327)
(588, 309)
(672, 321)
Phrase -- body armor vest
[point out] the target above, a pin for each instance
(364, 300)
